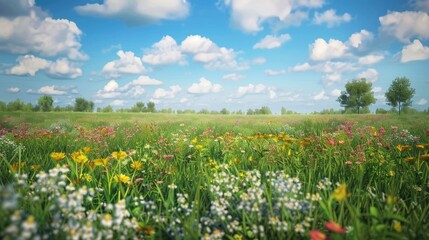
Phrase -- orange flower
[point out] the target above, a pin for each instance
(334, 227)
(403, 147)
(317, 235)
(57, 156)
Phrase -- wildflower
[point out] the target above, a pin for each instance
(424, 157)
(172, 186)
(421, 146)
(198, 147)
(136, 165)
(340, 193)
(397, 226)
(100, 161)
(317, 235)
(403, 147)
(87, 177)
(391, 173)
(410, 159)
(57, 156)
(87, 150)
(119, 155)
(149, 230)
(122, 178)
(17, 166)
(107, 220)
(334, 227)
(79, 157)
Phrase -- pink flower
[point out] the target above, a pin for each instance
(317, 235)
(334, 227)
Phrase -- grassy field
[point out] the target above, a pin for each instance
(162, 176)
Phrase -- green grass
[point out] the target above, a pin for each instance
(214, 176)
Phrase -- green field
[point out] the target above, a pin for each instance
(164, 176)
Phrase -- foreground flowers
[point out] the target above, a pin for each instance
(340, 193)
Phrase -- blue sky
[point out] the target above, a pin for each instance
(237, 54)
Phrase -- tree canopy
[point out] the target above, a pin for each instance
(358, 95)
(46, 103)
(400, 93)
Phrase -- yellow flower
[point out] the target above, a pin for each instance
(86, 150)
(421, 146)
(410, 159)
(100, 161)
(403, 147)
(35, 167)
(122, 178)
(198, 147)
(87, 177)
(340, 193)
(391, 173)
(79, 157)
(136, 165)
(17, 166)
(194, 140)
(57, 156)
(119, 155)
(424, 157)
(397, 226)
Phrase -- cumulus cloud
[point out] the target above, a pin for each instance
(233, 77)
(250, 15)
(251, 89)
(422, 102)
(414, 52)
(331, 18)
(208, 53)
(48, 90)
(166, 51)
(377, 89)
(161, 93)
(271, 72)
(13, 90)
(406, 25)
(272, 41)
(26, 29)
(371, 75)
(301, 67)
(118, 103)
(321, 50)
(333, 71)
(370, 59)
(137, 12)
(30, 65)
(127, 63)
(358, 39)
(109, 90)
(335, 93)
(204, 86)
(133, 88)
(320, 96)
(145, 81)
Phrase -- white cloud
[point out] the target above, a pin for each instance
(421, 5)
(331, 18)
(259, 61)
(371, 75)
(422, 102)
(127, 63)
(321, 50)
(118, 103)
(110, 90)
(272, 41)
(145, 81)
(356, 40)
(183, 100)
(320, 96)
(271, 72)
(301, 67)
(406, 25)
(13, 90)
(377, 89)
(336, 93)
(207, 52)
(414, 52)
(133, 88)
(233, 77)
(30, 30)
(250, 15)
(333, 71)
(161, 93)
(137, 12)
(49, 90)
(370, 59)
(251, 89)
(204, 86)
(28, 65)
(62, 68)
(166, 51)
(111, 86)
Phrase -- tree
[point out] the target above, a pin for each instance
(151, 107)
(224, 111)
(46, 103)
(358, 95)
(400, 93)
(138, 107)
(83, 105)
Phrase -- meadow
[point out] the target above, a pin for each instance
(164, 176)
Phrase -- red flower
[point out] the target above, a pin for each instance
(317, 235)
(334, 227)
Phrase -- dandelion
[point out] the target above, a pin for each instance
(340, 193)
(57, 156)
(136, 165)
(334, 227)
(119, 155)
(317, 235)
(122, 178)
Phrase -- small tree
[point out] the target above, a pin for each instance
(46, 103)
(83, 105)
(151, 107)
(400, 93)
(357, 95)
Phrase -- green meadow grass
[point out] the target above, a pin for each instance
(164, 176)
